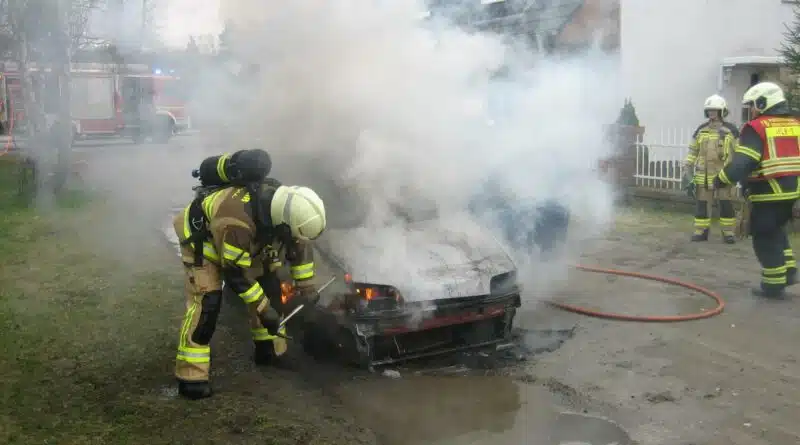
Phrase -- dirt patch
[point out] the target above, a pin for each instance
(715, 381)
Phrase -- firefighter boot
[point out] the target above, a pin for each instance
(271, 353)
(727, 221)
(771, 291)
(700, 235)
(773, 283)
(194, 390)
(702, 222)
(264, 353)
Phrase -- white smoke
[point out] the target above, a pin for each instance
(357, 96)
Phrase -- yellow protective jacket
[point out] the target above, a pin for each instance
(233, 241)
(712, 146)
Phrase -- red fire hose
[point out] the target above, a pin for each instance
(646, 318)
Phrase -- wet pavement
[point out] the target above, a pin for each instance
(476, 410)
(476, 397)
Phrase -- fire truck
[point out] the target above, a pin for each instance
(106, 101)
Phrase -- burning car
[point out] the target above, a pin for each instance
(409, 290)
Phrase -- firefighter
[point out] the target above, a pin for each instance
(712, 144)
(234, 234)
(767, 164)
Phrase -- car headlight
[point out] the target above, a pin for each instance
(504, 283)
(375, 296)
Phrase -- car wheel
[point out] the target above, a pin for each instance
(164, 131)
(138, 137)
(314, 344)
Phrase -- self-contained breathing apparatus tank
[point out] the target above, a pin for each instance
(244, 168)
(241, 168)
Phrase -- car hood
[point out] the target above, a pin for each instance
(443, 258)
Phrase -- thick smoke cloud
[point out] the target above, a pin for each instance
(359, 98)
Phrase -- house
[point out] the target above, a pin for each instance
(549, 25)
(591, 22)
(676, 53)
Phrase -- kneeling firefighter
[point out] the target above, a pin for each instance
(712, 147)
(234, 230)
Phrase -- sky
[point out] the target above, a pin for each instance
(182, 18)
(175, 20)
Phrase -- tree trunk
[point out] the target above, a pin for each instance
(61, 132)
(32, 120)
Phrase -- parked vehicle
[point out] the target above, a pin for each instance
(106, 101)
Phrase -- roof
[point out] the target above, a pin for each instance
(753, 61)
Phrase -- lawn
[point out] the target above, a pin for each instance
(88, 346)
(650, 219)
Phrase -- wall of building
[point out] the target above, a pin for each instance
(595, 21)
(671, 52)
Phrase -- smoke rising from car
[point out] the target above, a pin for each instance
(365, 99)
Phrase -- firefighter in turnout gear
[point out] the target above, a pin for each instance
(767, 163)
(712, 145)
(236, 234)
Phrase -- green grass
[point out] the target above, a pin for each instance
(65, 348)
(643, 220)
(649, 221)
(88, 346)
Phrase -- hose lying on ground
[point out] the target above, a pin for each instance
(651, 318)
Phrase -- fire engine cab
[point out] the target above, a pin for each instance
(106, 101)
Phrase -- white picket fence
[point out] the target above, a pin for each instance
(659, 158)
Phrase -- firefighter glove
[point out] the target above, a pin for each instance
(718, 184)
(691, 190)
(743, 190)
(742, 229)
(270, 319)
(689, 186)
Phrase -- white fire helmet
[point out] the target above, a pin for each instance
(301, 209)
(764, 96)
(716, 102)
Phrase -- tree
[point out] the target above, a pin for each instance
(191, 47)
(627, 115)
(225, 39)
(790, 50)
(46, 33)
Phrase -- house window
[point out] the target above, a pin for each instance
(755, 78)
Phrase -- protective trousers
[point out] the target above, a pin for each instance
(768, 221)
(727, 214)
(203, 303)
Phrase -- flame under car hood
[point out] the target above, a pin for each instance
(427, 260)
